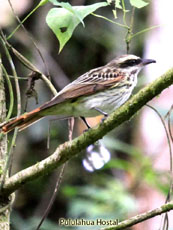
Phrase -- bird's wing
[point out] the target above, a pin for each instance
(89, 83)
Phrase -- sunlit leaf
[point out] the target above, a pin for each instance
(109, 1)
(117, 4)
(68, 7)
(65, 19)
(138, 3)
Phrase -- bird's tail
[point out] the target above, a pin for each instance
(21, 122)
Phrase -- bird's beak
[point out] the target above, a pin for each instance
(147, 61)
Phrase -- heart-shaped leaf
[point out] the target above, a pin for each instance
(64, 19)
(118, 4)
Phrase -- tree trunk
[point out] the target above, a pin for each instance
(4, 201)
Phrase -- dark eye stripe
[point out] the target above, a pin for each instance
(131, 62)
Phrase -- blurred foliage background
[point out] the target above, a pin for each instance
(111, 192)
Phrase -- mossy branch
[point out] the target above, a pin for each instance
(69, 149)
(141, 217)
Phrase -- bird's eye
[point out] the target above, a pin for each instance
(131, 62)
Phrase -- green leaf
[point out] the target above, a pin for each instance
(109, 1)
(65, 19)
(138, 3)
(117, 4)
(70, 8)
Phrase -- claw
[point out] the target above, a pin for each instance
(104, 118)
(86, 123)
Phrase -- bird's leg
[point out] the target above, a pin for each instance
(86, 123)
(101, 112)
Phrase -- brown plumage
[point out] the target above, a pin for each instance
(22, 122)
(101, 89)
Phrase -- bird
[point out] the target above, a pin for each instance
(99, 91)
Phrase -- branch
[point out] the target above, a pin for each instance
(4, 203)
(69, 149)
(141, 217)
(27, 63)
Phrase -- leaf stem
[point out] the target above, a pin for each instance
(109, 20)
(143, 31)
(14, 31)
(124, 13)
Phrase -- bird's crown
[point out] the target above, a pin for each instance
(126, 60)
(130, 61)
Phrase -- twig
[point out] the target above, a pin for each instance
(14, 74)
(124, 13)
(18, 95)
(144, 30)
(167, 135)
(59, 180)
(166, 220)
(31, 38)
(109, 20)
(10, 89)
(57, 186)
(132, 18)
(21, 23)
(169, 123)
(30, 66)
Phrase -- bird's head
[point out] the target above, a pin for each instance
(130, 63)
